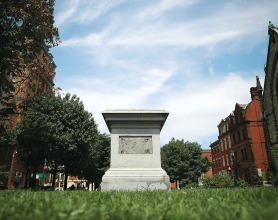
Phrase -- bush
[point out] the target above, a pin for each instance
(241, 183)
(224, 181)
(191, 185)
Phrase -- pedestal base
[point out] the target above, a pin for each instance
(135, 179)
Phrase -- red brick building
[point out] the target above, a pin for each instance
(31, 85)
(207, 153)
(221, 149)
(248, 140)
(240, 149)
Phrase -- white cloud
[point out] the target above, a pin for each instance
(195, 111)
(157, 8)
(85, 11)
(68, 10)
(214, 32)
(137, 59)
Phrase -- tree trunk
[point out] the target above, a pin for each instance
(33, 180)
(27, 178)
(66, 180)
(54, 176)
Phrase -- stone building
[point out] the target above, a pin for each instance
(30, 85)
(270, 98)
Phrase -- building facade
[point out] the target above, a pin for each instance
(215, 150)
(207, 153)
(270, 98)
(248, 140)
(240, 149)
(221, 149)
(33, 83)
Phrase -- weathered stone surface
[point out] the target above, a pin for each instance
(135, 145)
(270, 96)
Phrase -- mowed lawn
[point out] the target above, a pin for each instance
(247, 203)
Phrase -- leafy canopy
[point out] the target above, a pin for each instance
(58, 130)
(183, 160)
(26, 27)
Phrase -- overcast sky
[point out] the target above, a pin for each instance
(193, 58)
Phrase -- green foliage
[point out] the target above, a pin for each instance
(99, 160)
(241, 183)
(26, 27)
(219, 181)
(183, 160)
(57, 130)
(101, 157)
(3, 172)
(256, 178)
(273, 176)
(249, 203)
(223, 181)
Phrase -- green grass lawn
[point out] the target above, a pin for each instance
(249, 203)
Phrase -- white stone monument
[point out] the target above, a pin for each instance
(135, 150)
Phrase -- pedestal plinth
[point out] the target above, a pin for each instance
(135, 150)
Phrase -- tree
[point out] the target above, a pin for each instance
(183, 161)
(26, 27)
(57, 130)
(100, 160)
(33, 136)
(3, 172)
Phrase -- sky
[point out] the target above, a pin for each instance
(193, 58)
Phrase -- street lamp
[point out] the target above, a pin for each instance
(229, 169)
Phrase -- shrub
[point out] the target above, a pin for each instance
(241, 183)
(224, 181)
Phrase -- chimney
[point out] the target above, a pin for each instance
(254, 93)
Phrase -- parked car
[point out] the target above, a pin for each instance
(264, 183)
(268, 183)
(3, 186)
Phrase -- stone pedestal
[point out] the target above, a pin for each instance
(135, 150)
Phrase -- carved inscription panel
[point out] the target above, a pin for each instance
(135, 145)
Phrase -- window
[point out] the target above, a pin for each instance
(234, 138)
(227, 160)
(247, 176)
(231, 158)
(234, 120)
(238, 135)
(224, 128)
(243, 134)
(229, 142)
(236, 159)
(225, 144)
(244, 154)
(221, 145)
(223, 160)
